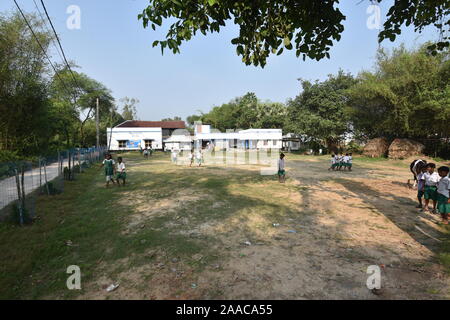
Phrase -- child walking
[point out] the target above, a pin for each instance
(421, 186)
(431, 181)
(121, 174)
(108, 163)
(443, 190)
(281, 171)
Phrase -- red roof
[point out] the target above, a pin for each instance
(153, 124)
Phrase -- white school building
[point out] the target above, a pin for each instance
(136, 135)
(206, 137)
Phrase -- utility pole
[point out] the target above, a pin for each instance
(97, 124)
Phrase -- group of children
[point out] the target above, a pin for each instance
(434, 186)
(198, 157)
(147, 152)
(112, 170)
(340, 162)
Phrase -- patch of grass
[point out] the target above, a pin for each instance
(444, 254)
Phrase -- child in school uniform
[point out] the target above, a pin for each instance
(345, 160)
(191, 158)
(333, 163)
(108, 163)
(121, 174)
(421, 186)
(443, 190)
(431, 181)
(174, 156)
(350, 161)
(199, 157)
(281, 170)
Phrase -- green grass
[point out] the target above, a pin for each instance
(34, 258)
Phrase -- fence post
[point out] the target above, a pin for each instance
(45, 176)
(40, 174)
(79, 160)
(19, 194)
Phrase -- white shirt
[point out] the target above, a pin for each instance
(421, 179)
(333, 160)
(444, 186)
(346, 159)
(191, 156)
(121, 167)
(431, 179)
(350, 159)
(113, 163)
(280, 164)
(199, 155)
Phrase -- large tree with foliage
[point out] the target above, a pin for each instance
(75, 95)
(25, 125)
(243, 113)
(268, 27)
(407, 95)
(319, 112)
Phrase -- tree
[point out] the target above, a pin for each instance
(77, 95)
(24, 108)
(407, 96)
(172, 119)
(269, 27)
(129, 111)
(319, 112)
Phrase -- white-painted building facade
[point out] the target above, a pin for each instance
(136, 135)
(242, 139)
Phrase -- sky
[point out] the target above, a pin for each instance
(113, 48)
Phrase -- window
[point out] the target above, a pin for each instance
(266, 142)
(148, 143)
(274, 142)
(122, 143)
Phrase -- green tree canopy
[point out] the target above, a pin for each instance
(319, 112)
(268, 27)
(407, 95)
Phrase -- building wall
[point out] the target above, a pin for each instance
(136, 135)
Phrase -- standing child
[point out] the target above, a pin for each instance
(191, 158)
(121, 174)
(443, 197)
(431, 181)
(333, 163)
(350, 161)
(108, 163)
(146, 153)
(281, 171)
(421, 186)
(199, 157)
(174, 156)
(339, 161)
(345, 160)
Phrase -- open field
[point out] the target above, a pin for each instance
(180, 233)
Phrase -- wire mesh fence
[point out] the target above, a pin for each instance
(21, 182)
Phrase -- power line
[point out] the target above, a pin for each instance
(60, 46)
(40, 45)
(47, 29)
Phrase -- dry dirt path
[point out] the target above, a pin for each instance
(343, 222)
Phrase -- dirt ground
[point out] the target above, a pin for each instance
(332, 227)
